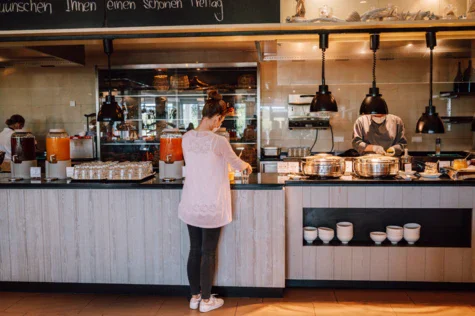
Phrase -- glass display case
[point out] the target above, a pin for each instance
(156, 98)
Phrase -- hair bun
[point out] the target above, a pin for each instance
(214, 95)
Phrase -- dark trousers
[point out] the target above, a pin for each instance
(202, 259)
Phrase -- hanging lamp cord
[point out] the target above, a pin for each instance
(110, 73)
(431, 76)
(374, 69)
(323, 66)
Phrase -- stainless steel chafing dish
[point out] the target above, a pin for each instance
(323, 165)
(375, 166)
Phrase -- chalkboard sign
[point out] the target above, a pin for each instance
(190, 12)
(62, 14)
(50, 14)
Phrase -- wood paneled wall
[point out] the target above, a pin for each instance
(134, 237)
(376, 263)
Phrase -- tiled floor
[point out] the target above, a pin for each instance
(295, 302)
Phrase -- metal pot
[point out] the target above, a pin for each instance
(323, 165)
(271, 151)
(375, 166)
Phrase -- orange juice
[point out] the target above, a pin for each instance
(171, 146)
(59, 147)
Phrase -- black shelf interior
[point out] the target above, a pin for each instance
(369, 243)
(450, 228)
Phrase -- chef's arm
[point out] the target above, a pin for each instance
(358, 143)
(400, 143)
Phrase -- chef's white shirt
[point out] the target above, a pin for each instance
(5, 143)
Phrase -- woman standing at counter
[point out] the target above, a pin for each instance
(13, 123)
(206, 199)
(379, 134)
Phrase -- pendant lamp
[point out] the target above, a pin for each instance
(430, 122)
(374, 102)
(110, 111)
(323, 101)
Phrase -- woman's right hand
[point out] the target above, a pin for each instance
(248, 169)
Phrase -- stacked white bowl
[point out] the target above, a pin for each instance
(377, 237)
(310, 234)
(326, 234)
(344, 232)
(412, 233)
(395, 233)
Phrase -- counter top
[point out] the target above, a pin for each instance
(256, 182)
(260, 181)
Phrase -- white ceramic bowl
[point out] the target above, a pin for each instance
(310, 234)
(344, 232)
(378, 237)
(326, 234)
(394, 233)
(412, 233)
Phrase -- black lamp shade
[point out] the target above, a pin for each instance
(110, 111)
(323, 101)
(473, 124)
(374, 103)
(430, 122)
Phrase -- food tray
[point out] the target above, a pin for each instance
(150, 176)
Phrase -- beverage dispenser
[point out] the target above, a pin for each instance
(58, 156)
(171, 155)
(23, 154)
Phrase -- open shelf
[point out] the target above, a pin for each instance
(386, 243)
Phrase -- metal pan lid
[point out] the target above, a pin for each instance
(323, 158)
(376, 158)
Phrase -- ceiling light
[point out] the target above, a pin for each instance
(374, 102)
(430, 122)
(323, 101)
(110, 111)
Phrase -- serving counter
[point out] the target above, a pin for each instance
(129, 234)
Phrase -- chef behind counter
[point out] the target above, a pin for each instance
(380, 134)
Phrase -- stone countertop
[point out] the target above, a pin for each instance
(260, 181)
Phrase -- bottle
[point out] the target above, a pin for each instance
(438, 144)
(406, 161)
(469, 78)
(458, 79)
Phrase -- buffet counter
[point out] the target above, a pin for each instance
(113, 233)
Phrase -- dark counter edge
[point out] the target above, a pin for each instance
(269, 182)
(146, 289)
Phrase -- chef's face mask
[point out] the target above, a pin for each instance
(378, 119)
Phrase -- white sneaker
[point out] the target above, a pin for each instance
(195, 302)
(212, 304)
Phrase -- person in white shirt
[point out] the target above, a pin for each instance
(13, 123)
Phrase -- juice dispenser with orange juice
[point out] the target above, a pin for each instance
(171, 155)
(58, 154)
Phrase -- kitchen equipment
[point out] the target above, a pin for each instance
(268, 166)
(375, 166)
(299, 114)
(323, 165)
(298, 152)
(412, 233)
(378, 237)
(438, 145)
(310, 234)
(430, 175)
(395, 234)
(326, 234)
(82, 147)
(344, 232)
(58, 154)
(462, 174)
(23, 154)
(171, 155)
(271, 152)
